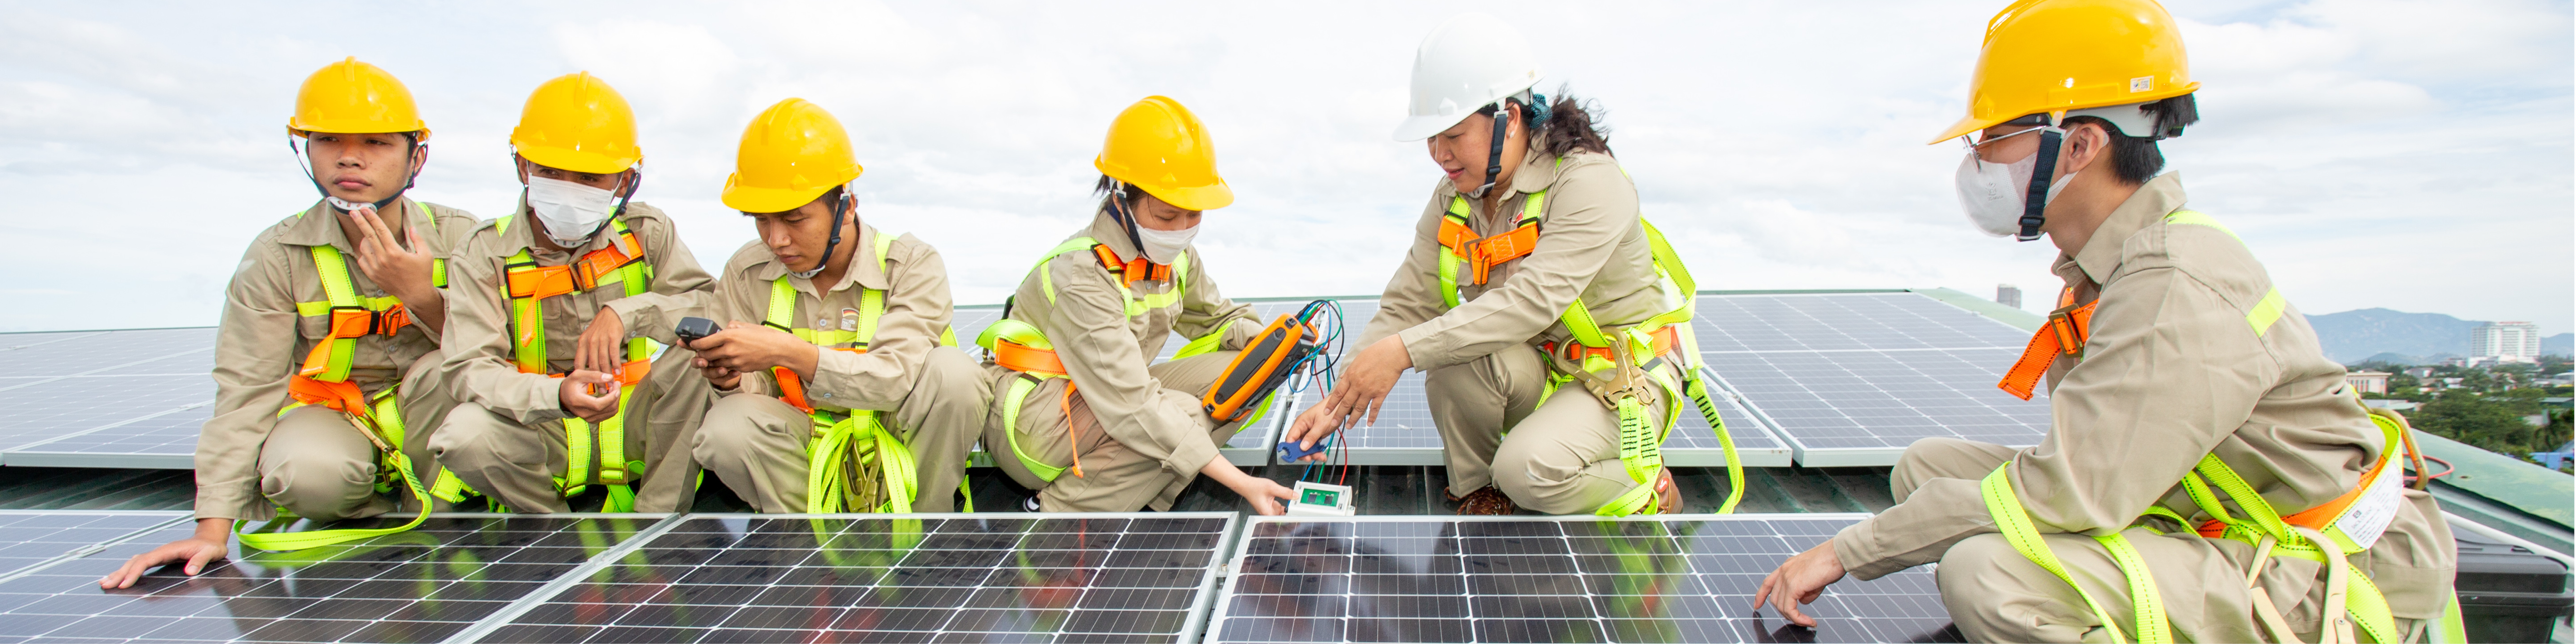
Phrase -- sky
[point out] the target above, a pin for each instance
(2416, 156)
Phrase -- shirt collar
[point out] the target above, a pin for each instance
(1107, 232)
(319, 225)
(2101, 254)
(864, 270)
(1537, 172)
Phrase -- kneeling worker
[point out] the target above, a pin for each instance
(1552, 321)
(328, 350)
(839, 394)
(1080, 416)
(552, 311)
(2208, 470)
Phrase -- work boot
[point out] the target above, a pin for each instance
(1484, 501)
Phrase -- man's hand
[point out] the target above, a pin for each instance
(600, 344)
(404, 274)
(1803, 578)
(745, 347)
(581, 403)
(1264, 494)
(723, 379)
(1311, 427)
(208, 544)
(1362, 391)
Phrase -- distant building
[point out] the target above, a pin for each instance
(2372, 382)
(2391, 404)
(2419, 373)
(2505, 341)
(2563, 379)
(2008, 295)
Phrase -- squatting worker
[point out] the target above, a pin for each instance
(2179, 376)
(558, 388)
(1080, 415)
(832, 356)
(1483, 310)
(329, 343)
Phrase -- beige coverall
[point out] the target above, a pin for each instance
(506, 437)
(1485, 369)
(932, 396)
(312, 460)
(1144, 435)
(2176, 368)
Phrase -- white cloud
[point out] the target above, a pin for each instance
(2408, 155)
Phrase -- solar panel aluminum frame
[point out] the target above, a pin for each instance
(33, 454)
(1192, 629)
(1242, 543)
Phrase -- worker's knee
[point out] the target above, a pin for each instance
(739, 426)
(319, 487)
(1533, 471)
(475, 438)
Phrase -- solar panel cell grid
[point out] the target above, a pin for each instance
(66, 354)
(416, 586)
(1841, 322)
(1133, 578)
(28, 538)
(1515, 580)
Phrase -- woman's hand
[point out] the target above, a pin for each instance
(743, 347)
(1265, 495)
(1312, 426)
(1362, 391)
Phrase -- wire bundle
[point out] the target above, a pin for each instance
(1320, 370)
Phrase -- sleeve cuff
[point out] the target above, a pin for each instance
(210, 506)
(1852, 550)
(1189, 456)
(1421, 348)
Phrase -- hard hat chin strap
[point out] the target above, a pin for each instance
(343, 205)
(1494, 156)
(840, 210)
(2034, 204)
(1125, 220)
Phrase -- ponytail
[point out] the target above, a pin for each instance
(1567, 126)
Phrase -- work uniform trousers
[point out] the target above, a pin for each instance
(1557, 457)
(756, 444)
(1997, 595)
(516, 464)
(1114, 478)
(320, 466)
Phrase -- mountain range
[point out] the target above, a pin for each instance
(2352, 337)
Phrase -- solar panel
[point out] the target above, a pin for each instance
(1850, 379)
(50, 355)
(112, 384)
(416, 586)
(32, 537)
(1138, 577)
(1680, 578)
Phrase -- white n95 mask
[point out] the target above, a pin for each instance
(1995, 194)
(1164, 246)
(572, 212)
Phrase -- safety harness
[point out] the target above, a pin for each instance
(324, 380)
(2327, 534)
(1022, 347)
(1617, 365)
(855, 462)
(527, 285)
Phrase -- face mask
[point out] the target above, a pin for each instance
(572, 211)
(1163, 246)
(1993, 194)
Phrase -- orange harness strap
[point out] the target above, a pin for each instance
(1017, 357)
(2068, 328)
(583, 274)
(1665, 339)
(1134, 270)
(349, 323)
(1482, 254)
(791, 389)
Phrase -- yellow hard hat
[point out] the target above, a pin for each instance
(350, 97)
(793, 152)
(577, 123)
(1161, 147)
(2045, 56)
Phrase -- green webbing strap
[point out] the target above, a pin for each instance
(1697, 387)
(2014, 523)
(438, 272)
(336, 286)
(860, 438)
(1203, 344)
(2149, 604)
(529, 351)
(2452, 629)
(1020, 388)
(388, 417)
(1641, 450)
(1046, 282)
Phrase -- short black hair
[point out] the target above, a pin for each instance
(2135, 159)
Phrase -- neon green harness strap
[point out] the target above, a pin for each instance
(2014, 522)
(528, 349)
(1020, 388)
(388, 417)
(860, 438)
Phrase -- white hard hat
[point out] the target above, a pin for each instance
(1468, 62)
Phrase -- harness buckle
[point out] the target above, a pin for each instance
(2070, 331)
